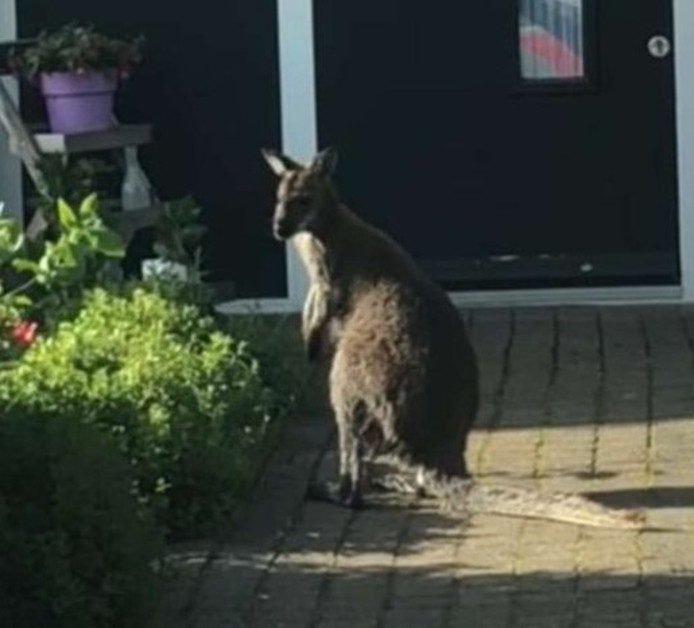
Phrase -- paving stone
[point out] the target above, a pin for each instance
(588, 399)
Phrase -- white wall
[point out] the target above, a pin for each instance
(298, 107)
(684, 89)
(10, 167)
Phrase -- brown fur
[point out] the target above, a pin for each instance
(403, 376)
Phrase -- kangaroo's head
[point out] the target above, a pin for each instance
(305, 194)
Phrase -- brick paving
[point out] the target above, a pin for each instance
(596, 400)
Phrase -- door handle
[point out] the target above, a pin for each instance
(659, 46)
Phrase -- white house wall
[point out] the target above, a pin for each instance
(10, 167)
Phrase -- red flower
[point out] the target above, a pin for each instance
(24, 333)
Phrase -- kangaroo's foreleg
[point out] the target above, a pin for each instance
(314, 321)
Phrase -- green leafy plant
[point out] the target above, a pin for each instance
(275, 341)
(77, 549)
(183, 291)
(178, 234)
(12, 302)
(76, 48)
(40, 282)
(186, 403)
(16, 334)
(83, 236)
(72, 181)
(71, 261)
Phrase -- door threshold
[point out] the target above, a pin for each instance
(628, 295)
(258, 306)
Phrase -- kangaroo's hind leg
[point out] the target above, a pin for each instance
(348, 490)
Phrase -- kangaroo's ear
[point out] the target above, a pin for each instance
(280, 164)
(325, 162)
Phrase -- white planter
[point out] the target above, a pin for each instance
(163, 269)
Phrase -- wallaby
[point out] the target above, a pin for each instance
(403, 374)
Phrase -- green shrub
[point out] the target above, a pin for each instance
(275, 341)
(184, 402)
(75, 546)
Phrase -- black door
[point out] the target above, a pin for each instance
(508, 143)
(209, 85)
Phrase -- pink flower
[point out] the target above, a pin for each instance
(24, 333)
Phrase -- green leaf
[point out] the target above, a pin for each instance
(161, 250)
(65, 255)
(25, 265)
(109, 243)
(44, 264)
(18, 245)
(193, 231)
(66, 216)
(21, 300)
(88, 207)
(11, 236)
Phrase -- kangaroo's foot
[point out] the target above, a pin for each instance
(396, 483)
(342, 493)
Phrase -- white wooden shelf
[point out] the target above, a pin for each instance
(118, 137)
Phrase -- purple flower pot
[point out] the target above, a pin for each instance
(79, 102)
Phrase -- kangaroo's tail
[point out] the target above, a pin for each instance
(461, 494)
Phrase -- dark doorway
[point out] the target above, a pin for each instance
(508, 143)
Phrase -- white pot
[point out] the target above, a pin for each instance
(163, 269)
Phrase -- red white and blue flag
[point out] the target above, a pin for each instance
(551, 39)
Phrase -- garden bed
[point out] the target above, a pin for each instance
(130, 417)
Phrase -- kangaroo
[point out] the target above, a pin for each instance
(403, 375)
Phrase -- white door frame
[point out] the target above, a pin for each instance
(684, 99)
(10, 166)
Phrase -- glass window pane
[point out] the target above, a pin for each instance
(551, 39)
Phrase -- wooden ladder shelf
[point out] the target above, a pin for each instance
(30, 146)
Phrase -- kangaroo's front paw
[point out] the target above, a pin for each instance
(314, 347)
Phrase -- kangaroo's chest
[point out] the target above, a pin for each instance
(313, 258)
